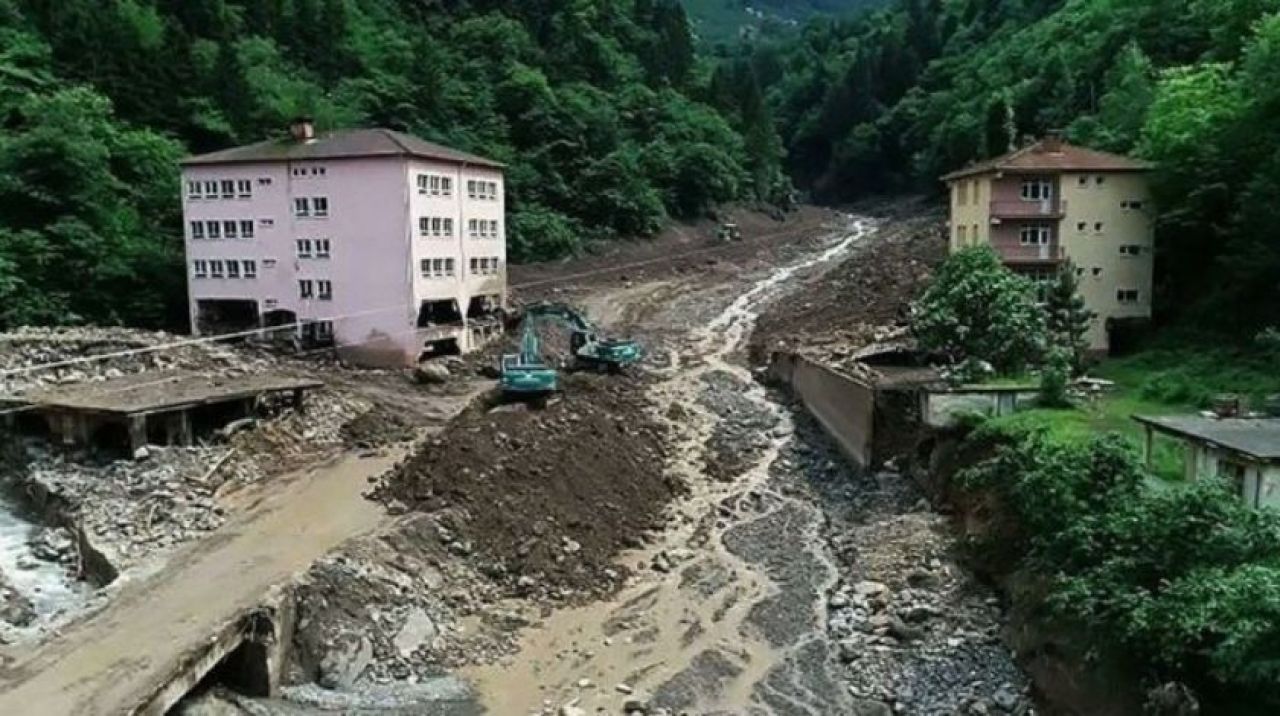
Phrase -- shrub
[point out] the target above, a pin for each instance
(976, 309)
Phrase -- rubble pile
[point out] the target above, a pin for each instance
(545, 499)
(131, 510)
(31, 346)
(391, 610)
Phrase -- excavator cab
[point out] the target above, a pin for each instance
(728, 232)
(527, 373)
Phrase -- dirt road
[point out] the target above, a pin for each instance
(109, 662)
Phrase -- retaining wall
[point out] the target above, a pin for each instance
(842, 404)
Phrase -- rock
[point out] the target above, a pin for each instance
(635, 705)
(850, 651)
(432, 374)
(345, 661)
(661, 563)
(871, 708)
(141, 453)
(904, 631)
(623, 689)
(839, 600)
(572, 710)
(1171, 699)
(418, 629)
(870, 589)
(1005, 698)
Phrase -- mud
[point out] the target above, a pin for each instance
(545, 497)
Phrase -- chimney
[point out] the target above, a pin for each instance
(302, 129)
(1052, 142)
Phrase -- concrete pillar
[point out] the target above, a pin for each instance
(177, 428)
(137, 432)
(298, 404)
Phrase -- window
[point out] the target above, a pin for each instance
(268, 263)
(424, 226)
(471, 188)
(423, 180)
(267, 222)
(1097, 272)
(484, 229)
(264, 181)
(1127, 295)
(962, 234)
(1131, 205)
(213, 229)
(244, 188)
(306, 288)
(320, 205)
(446, 186)
(475, 265)
(1130, 250)
(211, 190)
(200, 268)
(962, 193)
(233, 269)
(1101, 180)
(228, 189)
(324, 290)
(1098, 227)
(447, 228)
(193, 190)
(215, 268)
(304, 248)
(1035, 234)
(318, 171)
(197, 229)
(493, 229)
(975, 232)
(1084, 181)
(246, 229)
(1037, 190)
(324, 329)
(229, 229)
(435, 185)
(250, 268)
(473, 228)
(1082, 226)
(299, 171)
(322, 248)
(437, 268)
(302, 207)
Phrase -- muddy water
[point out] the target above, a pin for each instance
(733, 621)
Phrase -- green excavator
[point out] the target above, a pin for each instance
(528, 374)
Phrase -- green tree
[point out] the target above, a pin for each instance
(1067, 317)
(977, 310)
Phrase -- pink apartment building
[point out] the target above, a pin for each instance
(387, 246)
(1051, 202)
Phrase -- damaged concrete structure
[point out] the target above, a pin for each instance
(133, 411)
(389, 247)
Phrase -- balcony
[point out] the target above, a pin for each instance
(1031, 254)
(1041, 209)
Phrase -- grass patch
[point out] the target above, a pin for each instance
(1159, 381)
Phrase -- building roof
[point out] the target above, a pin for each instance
(1067, 158)
(149, 392)
(1256, 437)
(341, 144)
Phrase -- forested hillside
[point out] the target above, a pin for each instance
(725, 21)
(598, 107)
(890, 101)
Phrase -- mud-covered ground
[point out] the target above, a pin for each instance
(690, 543)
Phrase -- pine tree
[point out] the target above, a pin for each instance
(1068, 317)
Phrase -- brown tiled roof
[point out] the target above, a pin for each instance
(1069, 158)
(341, 144)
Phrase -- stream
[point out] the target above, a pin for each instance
(45, 590)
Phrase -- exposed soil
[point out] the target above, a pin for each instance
(860, 300)
(552, 494)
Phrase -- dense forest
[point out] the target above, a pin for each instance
(891, 100)
(718, 22)
(598, 106)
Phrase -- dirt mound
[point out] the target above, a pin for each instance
(377, 427)
(546, 498)
(863, 299)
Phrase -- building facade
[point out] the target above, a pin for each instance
(1051, 203)
(387, 246)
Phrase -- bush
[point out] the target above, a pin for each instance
(1185, 579)
(976, 309)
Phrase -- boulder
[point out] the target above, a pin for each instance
(345, 661)
(418, 630)
(432, 373)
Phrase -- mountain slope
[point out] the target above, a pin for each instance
(716, 21)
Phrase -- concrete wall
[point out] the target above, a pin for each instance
(1261, 484)
(970, 209)
(945, 408)
(1097, 223)
(844, 406)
